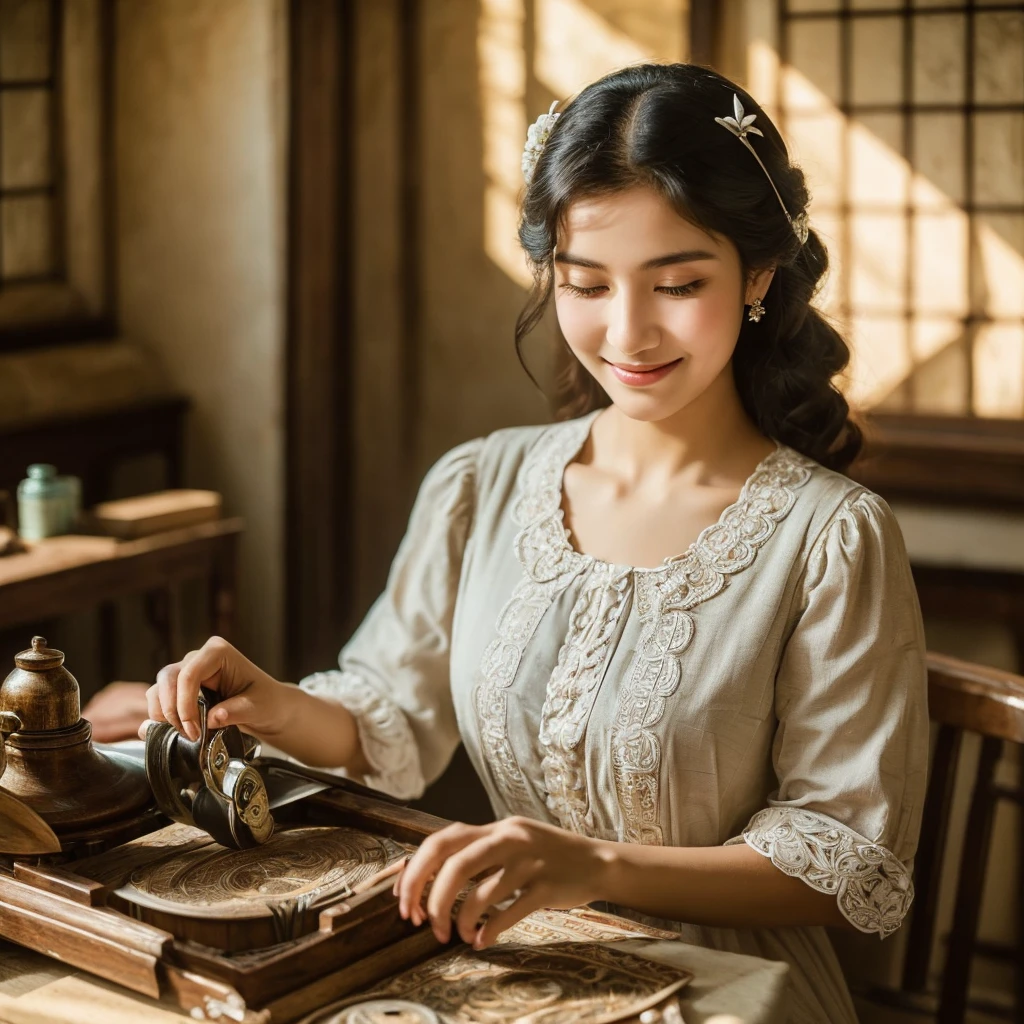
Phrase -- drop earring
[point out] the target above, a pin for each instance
(756, 311)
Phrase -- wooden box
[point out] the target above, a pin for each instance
(146, 514)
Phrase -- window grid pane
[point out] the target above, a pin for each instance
(30, 242)
(920, 192)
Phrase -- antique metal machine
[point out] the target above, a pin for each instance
(251, 889)
(61, 793)
(222, 784)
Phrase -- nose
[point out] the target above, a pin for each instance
(630, 328)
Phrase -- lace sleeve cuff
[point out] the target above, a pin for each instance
(872, 886)
(387, 740)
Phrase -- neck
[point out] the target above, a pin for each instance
(710, 437)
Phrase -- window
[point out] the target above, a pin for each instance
(28, 161)
(54, 171)
(909, 120)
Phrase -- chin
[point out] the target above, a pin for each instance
(646, 407)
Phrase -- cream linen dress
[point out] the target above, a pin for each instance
(767, 686)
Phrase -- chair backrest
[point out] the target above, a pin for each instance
(963, 697)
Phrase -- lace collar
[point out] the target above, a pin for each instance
(729, 544)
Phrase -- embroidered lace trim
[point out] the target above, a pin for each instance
(387, 739)
(872, 886)
(548, 569)
(664, 596)
(572, 691)
(664, 600)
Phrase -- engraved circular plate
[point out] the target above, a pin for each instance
(312, 864)
(549, 983)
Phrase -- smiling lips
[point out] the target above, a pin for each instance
(636, 376)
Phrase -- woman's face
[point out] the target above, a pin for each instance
(649, 303)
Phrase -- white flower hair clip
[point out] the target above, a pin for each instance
(742, 125)
(536, 139)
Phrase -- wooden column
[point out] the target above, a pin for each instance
(319, 326)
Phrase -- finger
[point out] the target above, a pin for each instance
(153, 709)
(144, 728)
(455, 874)
(398, 880)
(166, 690)
(531, 900)
(233, 711)
(482, 900)
(425, 862)
(198, 668)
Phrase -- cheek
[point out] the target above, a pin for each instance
(581, 324)
(709, 323)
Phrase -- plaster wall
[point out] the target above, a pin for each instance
(200, 180)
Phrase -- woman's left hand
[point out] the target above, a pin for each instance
(534, 864)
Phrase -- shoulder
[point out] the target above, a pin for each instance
(829, 497)
(506, 455)
(847, 524)
(492, 464)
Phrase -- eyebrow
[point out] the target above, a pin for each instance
(672, 258)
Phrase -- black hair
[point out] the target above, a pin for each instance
(654, 125)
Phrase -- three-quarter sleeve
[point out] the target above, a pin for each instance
(393, 674)
(851, 747)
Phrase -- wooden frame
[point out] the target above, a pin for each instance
(80, 303)
(65, 911)
(319, 317)
(350, 407)
(703, 30)
(962, 697)
(953, 460)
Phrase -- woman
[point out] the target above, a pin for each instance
(683, 651)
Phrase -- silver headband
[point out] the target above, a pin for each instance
(743, 125)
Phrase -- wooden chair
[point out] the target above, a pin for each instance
(963, 697)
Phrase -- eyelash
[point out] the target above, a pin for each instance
(678, 291)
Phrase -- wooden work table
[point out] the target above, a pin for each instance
(727, 989)
(64, 575)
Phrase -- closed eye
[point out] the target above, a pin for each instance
(680, 290)
(583, 293)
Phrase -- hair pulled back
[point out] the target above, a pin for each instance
(654, 125)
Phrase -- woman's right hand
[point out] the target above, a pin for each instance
(249, 698)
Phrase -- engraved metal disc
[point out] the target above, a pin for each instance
(214, 882)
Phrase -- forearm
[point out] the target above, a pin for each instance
(725, 886)
(317, 732)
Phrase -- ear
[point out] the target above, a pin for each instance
(757, 286)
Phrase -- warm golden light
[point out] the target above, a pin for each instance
(575, 45)
(900, 244)
(502, 60)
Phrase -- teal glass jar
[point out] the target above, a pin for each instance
(47, 503)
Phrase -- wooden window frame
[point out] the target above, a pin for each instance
(78, 304)
(951, 460)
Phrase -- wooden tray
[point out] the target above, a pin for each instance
(83, 913)
(78, 912)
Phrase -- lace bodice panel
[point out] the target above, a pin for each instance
(673, 705)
